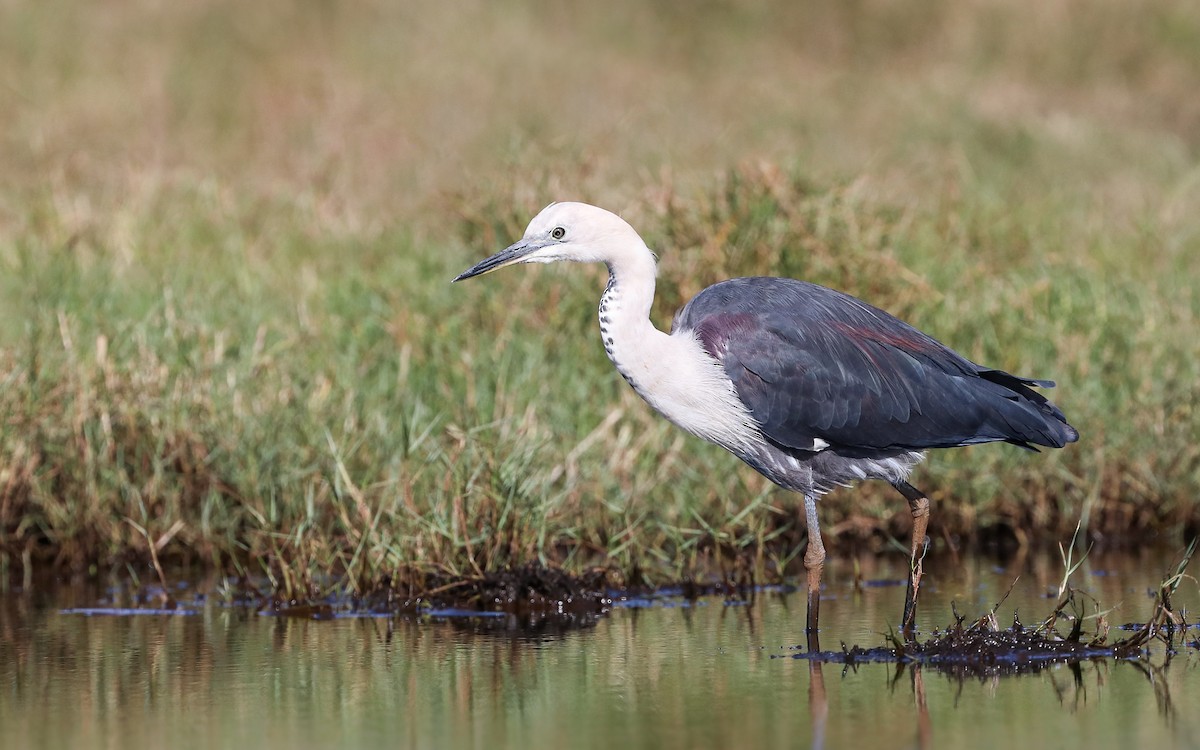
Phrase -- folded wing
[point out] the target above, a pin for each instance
(814, 365)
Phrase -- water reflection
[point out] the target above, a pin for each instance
(702, 674)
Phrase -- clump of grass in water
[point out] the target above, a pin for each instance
(984, 648)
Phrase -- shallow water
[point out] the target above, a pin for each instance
(674, 674)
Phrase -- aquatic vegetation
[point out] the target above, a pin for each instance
(983, 648)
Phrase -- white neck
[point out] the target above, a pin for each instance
(671, 372)
(630, 338)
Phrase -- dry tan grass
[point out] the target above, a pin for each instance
(368, 114)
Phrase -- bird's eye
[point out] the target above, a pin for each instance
(558, 233)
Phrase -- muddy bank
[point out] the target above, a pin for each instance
(530, 596)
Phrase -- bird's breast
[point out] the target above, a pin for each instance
(683, 383)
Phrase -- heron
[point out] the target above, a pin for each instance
(811, 387)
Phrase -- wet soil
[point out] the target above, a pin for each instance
(530, 596)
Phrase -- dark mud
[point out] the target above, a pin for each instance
(528, 594)
(531, 597)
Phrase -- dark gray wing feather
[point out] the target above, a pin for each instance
(813, 364)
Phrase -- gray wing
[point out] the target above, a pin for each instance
(813, 364)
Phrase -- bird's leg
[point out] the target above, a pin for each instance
(814, 563)
(919, 505)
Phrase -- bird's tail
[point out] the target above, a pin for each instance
(1052, 430)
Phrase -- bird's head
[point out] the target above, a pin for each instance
(566, 231)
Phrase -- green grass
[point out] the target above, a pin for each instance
(226, 324)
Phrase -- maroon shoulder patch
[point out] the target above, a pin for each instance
(715, 331)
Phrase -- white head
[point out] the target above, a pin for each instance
(567, 231)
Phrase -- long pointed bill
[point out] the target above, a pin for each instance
(512, 254)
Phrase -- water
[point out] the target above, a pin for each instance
(673, 675)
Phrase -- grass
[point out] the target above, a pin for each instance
(226, 328)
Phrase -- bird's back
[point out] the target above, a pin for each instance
(814, 365)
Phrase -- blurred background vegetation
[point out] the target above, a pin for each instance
(227, 231)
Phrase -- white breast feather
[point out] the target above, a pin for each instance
(691, 389)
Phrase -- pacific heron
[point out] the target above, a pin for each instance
(811, 387)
